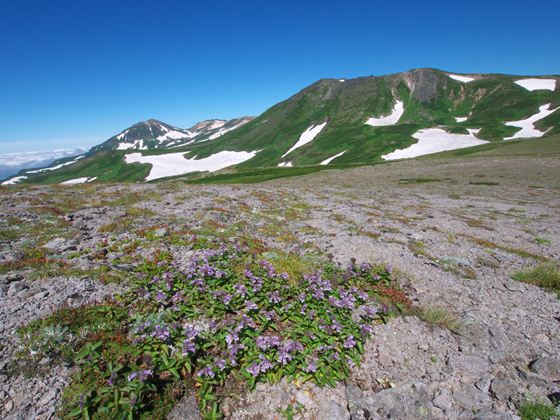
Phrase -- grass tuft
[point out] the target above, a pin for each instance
(545, 275)
(537, 411)
(440, 317)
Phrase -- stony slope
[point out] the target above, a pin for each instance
(456, 230)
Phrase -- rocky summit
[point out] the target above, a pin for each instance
(425, 288)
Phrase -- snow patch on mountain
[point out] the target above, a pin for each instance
(285, 164)
(134, 144)
(173, 164)
(464, 79)
(460, 119)
(14, 180)
(307, 136)
(537, 84)
(433, 140)
(121, 136)
(79, 180)
(223, 131)
(391, 119)
(54, 168)
(527, 125)
(329, 160)
(173, 135)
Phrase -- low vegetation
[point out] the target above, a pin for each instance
(238, 314)
(440, 317)
(545, 275)
(538, 411)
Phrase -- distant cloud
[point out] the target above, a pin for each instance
(12, 163)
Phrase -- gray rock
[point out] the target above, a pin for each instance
(186, 409)
(503, 388)
(471, 399)
(10, 278)
(468, 365)
(534, 379)
(548, 367)
(408, 401)
(16, 288)
(161, 232)
(493, 416)
(60, 245)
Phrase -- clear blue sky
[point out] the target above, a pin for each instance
(76, 72)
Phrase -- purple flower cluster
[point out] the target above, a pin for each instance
(206, 372)
(161, 332)
(256, 281)
(285, 350)
(265, 342)
(260, 367)
(274, 297)
(349, 342)
(141, 375)
(189, 345)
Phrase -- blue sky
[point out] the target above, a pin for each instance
(74, 73)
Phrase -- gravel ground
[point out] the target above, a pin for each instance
(455, 231)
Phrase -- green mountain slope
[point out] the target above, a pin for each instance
(430, 98)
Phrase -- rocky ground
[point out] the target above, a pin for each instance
(455, 231)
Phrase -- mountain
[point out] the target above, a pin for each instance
(334, 121)
(154, 134)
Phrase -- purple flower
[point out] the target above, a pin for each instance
(311, 366)
(370, 311)
(142, 375)
(267, 314)
(207, 371)
(254, 369)
(231, 338)
(221, 364)
(265, 364)
(274, 297)
(265, 342)
(226, 299)
(283, 356)
(251, 306)
(336, 326)
(111, 380)
(190, 332)
(349, 342)
(241, 290)
(188, 347)
(161, 333)
(160, 296)
(366, 329)
(335, 302)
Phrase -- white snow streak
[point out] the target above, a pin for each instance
(14, 180)
(223, 131)
(173, 164)
(173, 135)
(307, 136)
(136, 144)
(537, 84)
(79, 180)
(528, 125)
(464, 79)
(285, 164)
(460, 119)
(54, 168)
(329, 160)
(433, 140)
(390, 119)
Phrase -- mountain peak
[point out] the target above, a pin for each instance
(155, 134)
